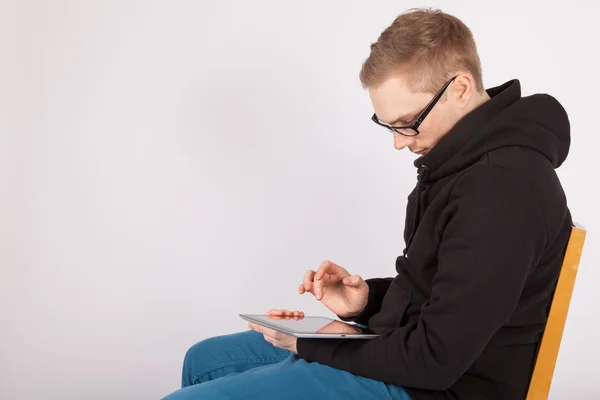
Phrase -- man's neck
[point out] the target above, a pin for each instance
(478, 99)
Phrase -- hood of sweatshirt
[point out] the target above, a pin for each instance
(538, 122)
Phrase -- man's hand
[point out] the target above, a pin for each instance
(277, 338)
(344, 294)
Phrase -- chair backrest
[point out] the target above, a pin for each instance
(541, 379)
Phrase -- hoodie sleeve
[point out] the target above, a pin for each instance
(492, 235)
(377, 289)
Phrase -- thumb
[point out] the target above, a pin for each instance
(352, 280)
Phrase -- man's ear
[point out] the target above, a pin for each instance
(462, 89)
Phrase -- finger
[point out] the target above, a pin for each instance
(328, 272)
(327, 267)
(261, 329)
(288, 314)
(318, 289)
(275, 312)
(301, 289)
(352, 280)
(293, 314)
(273, 340)
(324, 269)
(307, 283)
(269, 332)
(254, 327)
(269, 339)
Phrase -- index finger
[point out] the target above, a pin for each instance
(329, 268)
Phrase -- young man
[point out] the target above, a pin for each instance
(486, 230)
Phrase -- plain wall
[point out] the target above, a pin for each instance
(166, 166)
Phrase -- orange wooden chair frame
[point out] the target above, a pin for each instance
(541, 379)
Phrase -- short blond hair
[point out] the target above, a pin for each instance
(428, 46)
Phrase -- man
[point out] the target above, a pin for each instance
(486, 230)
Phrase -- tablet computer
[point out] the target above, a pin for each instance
(311, 327)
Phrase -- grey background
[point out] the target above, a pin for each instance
(166, 163)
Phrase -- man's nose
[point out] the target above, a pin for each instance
(401, 141)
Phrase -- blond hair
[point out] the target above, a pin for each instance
(428, 46)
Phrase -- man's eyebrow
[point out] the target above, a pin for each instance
(405, 117)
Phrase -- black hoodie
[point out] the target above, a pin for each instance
(486, 231)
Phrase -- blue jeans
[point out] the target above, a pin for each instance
(245, 366)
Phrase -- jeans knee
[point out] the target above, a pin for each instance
(219, 355)
(192, 362)
(193, 352)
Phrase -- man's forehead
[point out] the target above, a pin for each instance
(392, 87)
(392, 99)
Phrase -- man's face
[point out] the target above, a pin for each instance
(395, 105)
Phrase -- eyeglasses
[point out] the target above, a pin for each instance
(413, 129)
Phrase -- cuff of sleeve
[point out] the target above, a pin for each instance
(319, 350)
(306, 348)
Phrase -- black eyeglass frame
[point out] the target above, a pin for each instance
(419, 120)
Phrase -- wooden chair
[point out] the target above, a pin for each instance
(541, 379)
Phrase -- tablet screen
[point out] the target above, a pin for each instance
(312, 325)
